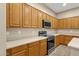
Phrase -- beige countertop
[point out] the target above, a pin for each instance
(14, 43)
(11, 44)
(74, 43)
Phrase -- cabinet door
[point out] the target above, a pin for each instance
(43, 47)
(40, 18)
(55, 23)
(21, 53)
(68, 23)
(34, 49)
(34, 17)
(7, 15)
(21, 50)
(26, 15)
(67, 39)
(62, 24)
(52, 22)
(59, 40)
(15, 15)
(75, 22)
(44, 16)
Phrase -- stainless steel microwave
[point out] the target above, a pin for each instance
(46, 24)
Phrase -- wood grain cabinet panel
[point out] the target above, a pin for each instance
(18, 48)
(68, 23)
(21, 50)
(26, 16)
(62, 24)
(40, 18)
(21, 53)
(62, 39)
(67, 39)
(75, 23)
(59, 40)
(15, 15)
(34, 17)
(49, 18)
(8, 52)
(7, 15)
(43, 47)
(34, 48)
(55, 23)
(44, 16)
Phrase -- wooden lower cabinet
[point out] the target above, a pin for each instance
(59, 40)
(62, 39)
(21, 53)
(43, 47)
(34, 49)
(18, 51)
(67, 39)
(38, 48)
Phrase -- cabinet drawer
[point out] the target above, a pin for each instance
(44, 41)
(21, 53)
(18, 48)
(33, 44)
(34, 49)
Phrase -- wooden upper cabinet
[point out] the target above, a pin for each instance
(61, 23)
(75, 22)
(26, 15)
(49, 19)
(34, 17)
(52, 22)
(15, 15)
(7, 15)
(68, 23)
(40, 18)
(44, 16)
(55, 23)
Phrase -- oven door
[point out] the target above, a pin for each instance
(50, 44)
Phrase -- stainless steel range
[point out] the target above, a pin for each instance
(50, 44)
(50, 41)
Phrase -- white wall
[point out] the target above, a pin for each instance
(69, 13)
(43, 8)
(2, 29)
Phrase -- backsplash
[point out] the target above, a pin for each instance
(16, 33)
(68, 31)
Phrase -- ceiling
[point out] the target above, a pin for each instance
(59, 7)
